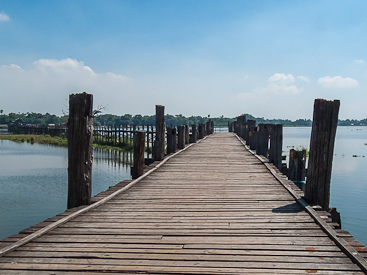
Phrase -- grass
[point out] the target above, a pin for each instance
(62, 141)
(43, 139)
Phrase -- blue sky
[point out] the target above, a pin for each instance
(267, 58)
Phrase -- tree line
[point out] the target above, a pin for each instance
(174, 120)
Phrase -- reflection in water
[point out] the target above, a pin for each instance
(113, 157)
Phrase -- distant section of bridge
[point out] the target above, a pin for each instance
(211, 208)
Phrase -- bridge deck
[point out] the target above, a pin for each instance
(212, 209)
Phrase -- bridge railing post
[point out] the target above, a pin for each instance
(263, 140)
(181, 137)
(80, 149)
(276, 142)
(193, 133)
(187, 134)
(250, 125)
(159, 142)
(139, 150)
(324, 125)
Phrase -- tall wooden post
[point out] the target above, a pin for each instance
(159, 142)
(80, 149)
(187, 134)
(276, 143)
(241, 121)
(181, 137)
(170, 140)
(201, 131)
(139, 149)
(254, 138)
(193, 133)
(263, 140)
(324, 124)
(250, 124)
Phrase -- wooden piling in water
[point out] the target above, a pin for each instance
(181, 137)
(139, 149)
(159, 142)
(80, 149)
(193, 133)
(241, 121)
(324, 124)
(187, 134)
(263, 140)
(297, 165)
(250, 124)
(276, 142)
(171, 140)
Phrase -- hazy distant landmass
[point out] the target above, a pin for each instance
(110, 120)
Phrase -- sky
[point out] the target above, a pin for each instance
(270, 59)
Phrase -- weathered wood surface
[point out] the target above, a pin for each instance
(80, 150)
(324, 124)
(212, 209)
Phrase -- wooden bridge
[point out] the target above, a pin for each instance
(211, 208)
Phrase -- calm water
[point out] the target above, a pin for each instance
(349, 174)
(33, 181)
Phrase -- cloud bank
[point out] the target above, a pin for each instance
(47, 85)
(337, 82)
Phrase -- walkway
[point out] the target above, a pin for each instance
(211, 209)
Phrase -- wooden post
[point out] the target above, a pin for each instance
(80, 149)
(181, 137)
(159, 142)
(152, 138)
(241, 121)
(187, 134)
(139, 149)
(263, 140)
(250, 124)
(174, 139)
(201, 132)
(254, 139)
(148, 140)
(324, 124)
(276, 142)
(297, 164)
(169, 140)
(193, 133)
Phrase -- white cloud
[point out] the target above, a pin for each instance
(282, 78)
(359, 61)
(280, 84)
(280, 89)
(13, 66)
(303, 78)
(46, 86)
(4, 17)
(337, 82)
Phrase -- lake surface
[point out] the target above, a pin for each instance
(33, 178)
(33, 181)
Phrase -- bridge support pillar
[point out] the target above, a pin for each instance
(80, 149)
(324, 124)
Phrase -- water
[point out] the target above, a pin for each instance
(33, 181)
(348, 180)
